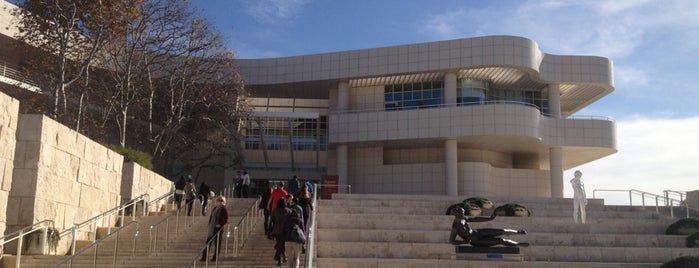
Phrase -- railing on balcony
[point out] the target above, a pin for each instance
(470, 104)
(12, 75)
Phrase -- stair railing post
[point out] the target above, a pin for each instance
(657, 210)
(74, 231)
(116, 248)
(133, 249)
(19, 248)
(94, 256)
(630, 198)
(44, 249)
(236, 240)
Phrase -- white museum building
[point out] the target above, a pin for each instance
(487, 116)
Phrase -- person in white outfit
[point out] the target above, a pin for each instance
(579, 199)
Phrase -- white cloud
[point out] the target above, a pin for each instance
(272, 11)
(654, 155)
(629, 77)
(612, 29)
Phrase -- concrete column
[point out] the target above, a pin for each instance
(555, 161)
(342, 164)
(342, 96)
(452, 170)
(449, 89)
(555, 100)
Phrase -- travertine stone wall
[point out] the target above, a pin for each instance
(9, 109)
(137, 180)
(60, 175)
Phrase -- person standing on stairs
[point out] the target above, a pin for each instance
(246, 183)
(179, 192)
(218, 219)
(579, 198)
(203, 195)
(265, 195)
(279, 215)
(292, 245)
(190, 193)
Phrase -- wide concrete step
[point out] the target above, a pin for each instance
(530, 224)
(533, 203)
(451, 263)
(387, 250)
(426, 210)
(540, 239)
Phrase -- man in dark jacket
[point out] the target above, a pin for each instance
(179, 191)
(293, 186)
(203, 195)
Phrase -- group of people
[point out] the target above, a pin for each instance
(185, 189)
(287, 207)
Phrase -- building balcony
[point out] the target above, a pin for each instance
(511, 128)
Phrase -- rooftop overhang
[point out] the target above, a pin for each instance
(506, 62)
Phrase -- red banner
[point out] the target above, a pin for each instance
(328, 186)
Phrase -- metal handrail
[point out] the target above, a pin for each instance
(160, 199)
(205, 248)
(12, 71)
(246, 224)
(155, 227)
(310, 247)
(465, 104)
(109, 213)
(659, 200)
(319, 186)
(96, 244)
(681, 194)
(19, 236)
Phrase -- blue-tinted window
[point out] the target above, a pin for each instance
(307, 134)
(413, 95)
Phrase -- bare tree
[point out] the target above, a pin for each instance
(70, 33)
(155, 71)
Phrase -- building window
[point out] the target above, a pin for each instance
(283, 134)
(414, 95)
(471, 91)
(539, 99)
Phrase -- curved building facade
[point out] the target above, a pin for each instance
(487, 116)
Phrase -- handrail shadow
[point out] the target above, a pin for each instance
(69, 259)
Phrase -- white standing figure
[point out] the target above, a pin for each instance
(579, 199)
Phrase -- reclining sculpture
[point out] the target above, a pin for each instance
(484, 237)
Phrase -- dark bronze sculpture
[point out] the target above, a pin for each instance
(484, 237)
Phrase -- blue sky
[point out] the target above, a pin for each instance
(654, 46)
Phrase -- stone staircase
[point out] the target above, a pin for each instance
(133, 251)
(412, 231)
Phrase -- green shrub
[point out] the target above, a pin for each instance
(469, 209)
(693, 240)
(481, 202)
(512, 209)
(682, 262)
(133, 155)
(685, 226)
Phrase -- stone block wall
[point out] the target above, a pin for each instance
(137, 180)
(60, 175)
(9, 113)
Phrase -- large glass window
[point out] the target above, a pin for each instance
(535, 98)
(471, 91)
(414, 95)
(279, 133)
